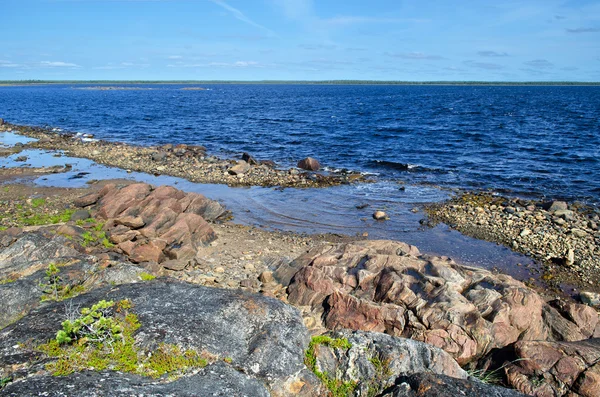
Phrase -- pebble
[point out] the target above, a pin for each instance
(380, 216)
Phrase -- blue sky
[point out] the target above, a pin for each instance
(526, 40)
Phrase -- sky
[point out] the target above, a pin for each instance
(408, 40)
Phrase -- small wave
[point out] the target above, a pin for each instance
(403, 166)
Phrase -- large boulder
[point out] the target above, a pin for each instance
(390, 287)
(260, 342)
(309, 164)
(156, 225)
(374, 362)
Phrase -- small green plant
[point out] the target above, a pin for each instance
(94, 326)
(147, 276)
(5, 381)
(54, 288)
(337, 387)
(228, 360)
(101, 337)
(491, 377)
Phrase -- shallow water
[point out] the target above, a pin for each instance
(311, 211)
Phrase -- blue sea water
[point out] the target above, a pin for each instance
(541, 141)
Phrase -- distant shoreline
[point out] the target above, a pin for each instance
(12, 83)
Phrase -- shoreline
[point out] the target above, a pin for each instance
(190, 162)
(470, 213)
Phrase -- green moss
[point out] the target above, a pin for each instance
(147, 276)
(7, 280)
(103, 338)
(38, 202)
(337, 387)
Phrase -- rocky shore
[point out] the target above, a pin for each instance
(186, 161)
(564, 237)
(196, 305)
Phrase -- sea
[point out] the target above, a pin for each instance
(419, 143)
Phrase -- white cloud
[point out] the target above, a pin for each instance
(8, 64)
(237, 64)
(58, 64)
(175, 57)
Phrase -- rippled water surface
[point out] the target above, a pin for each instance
(541, 141)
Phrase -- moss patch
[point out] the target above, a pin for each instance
(337, 387)
(103, 338)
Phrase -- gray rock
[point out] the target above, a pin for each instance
(21, 158)
(264, 337)
(555, 206)
(375, 361)
(430, 385)
(590, 298)
(80, 215)
(158, 156)
(240, 168)
(216, 380)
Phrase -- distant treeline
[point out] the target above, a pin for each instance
(320, 82)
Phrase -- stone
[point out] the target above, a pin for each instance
(309, 164)
(550, 368)
(380, 216)
(590, 298)
(158, 156)
(150, 252)
(390, 287)
(80, 215)
(87, 200)
(70, 230)
(266, 277)
(21, 158)
(249, 159)
(133, 222)
(426, 384)
(240, 168)
(1, 121)
(555, 206)
(262, 338)
(565, 214)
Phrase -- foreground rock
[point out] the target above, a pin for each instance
(390, 287)
(259, 340)
(565, 237)
(25, 285)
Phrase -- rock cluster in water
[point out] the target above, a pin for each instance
(566, 237)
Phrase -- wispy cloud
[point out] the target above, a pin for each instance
(583, 30)
(484, 65)
(122, 65)
(419, 56)
(8, 64)
(492, 54)
(539, 64)
(241, 16)
(58, 64)
(344, 20)
(237, 64)
(317, 46)
(175, 57)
